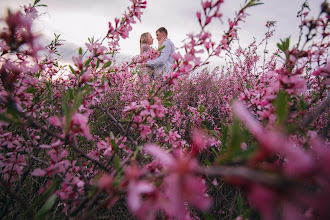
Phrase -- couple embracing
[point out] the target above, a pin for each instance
(164, 62)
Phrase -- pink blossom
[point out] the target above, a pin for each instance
(135, 193)
(144, 130)
(298, 161)
(78, 61)
(80, 124)
(165, 158)
(172, 136)
(105, 182)
(148, 109)
(132, 106)
(181, 184)
(199, 141)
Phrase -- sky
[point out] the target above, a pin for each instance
(77, 20)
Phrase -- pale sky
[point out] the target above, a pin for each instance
(76, 20)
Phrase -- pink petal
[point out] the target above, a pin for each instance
(46, 146)
(38, 172)
(55, 121)
(244, 115)
(164, 157)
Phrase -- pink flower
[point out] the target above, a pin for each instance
(181, 184)
(78, 61)
(85, 76)
(79, 124)
(298, 162)
(148, 109)
(106, 146)
(132, 106)
(144, 130)
(172, 136)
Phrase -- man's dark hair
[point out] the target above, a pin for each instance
(162, 30)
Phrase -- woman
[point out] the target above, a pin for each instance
(145, 41)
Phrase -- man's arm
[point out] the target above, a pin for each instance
(163, 57)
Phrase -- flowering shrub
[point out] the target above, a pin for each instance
(72, 146)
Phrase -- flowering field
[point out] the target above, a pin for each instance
(249, 140)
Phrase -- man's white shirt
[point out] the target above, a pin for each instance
(164, 62)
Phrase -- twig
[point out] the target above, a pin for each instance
(81, 169)
(120, 127)
(102, 166)
(261, 177)
(318, 111)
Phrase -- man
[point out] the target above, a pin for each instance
(164, 62)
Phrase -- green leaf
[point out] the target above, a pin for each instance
(152, 90)
(114, 145)
(67, 112)
(201, 109)
(159, 49)
(208, 216)
(224, 135)
(168, 104)
(255, 4)
(41, 5)
(246, 214)
(72, 70)
(281, 106)
(97, 63)
(36, 2)
(236, 137)
(239, 204)
(123, 120)
(107, 64)
(280, 46)
(306, 5)
(287, 43)
(32, 90)
(46, 207)
(303, 104)
(80, 51)
(167, 94)
(78, 100)
(137, 150)
(117, 163)
(214, 151)
(70, 94)
(284, 45)
(87, 62)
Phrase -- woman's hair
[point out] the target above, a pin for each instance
(143, 40)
